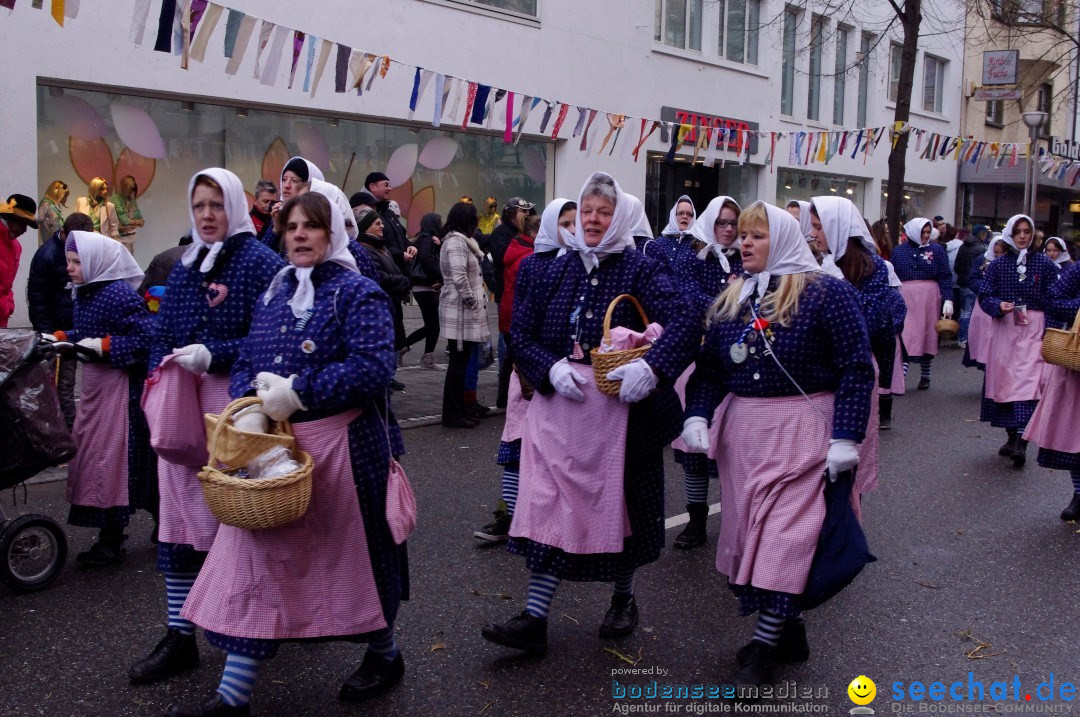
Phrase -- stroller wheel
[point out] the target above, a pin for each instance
(33, 550)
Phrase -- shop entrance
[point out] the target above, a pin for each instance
(664, 183)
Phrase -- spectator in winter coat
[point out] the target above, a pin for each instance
(265, 196)
(18, 213)
(970, 252)
(157, 274)
(426, 281)
(397, 241)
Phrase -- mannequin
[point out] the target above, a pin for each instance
(127, 211)
(50, 216)
(97, 206)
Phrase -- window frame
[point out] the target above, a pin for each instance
(866, 42)
(788, 55)
(896, 57)
(750, 22)
(482, 8)
(938, 64)
(818, 25)
(842, 38)
(995, 113)
(1044, 102)
(691, 31)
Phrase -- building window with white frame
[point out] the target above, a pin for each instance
(995, 113)
(933, 83)
(864, 76)
(1044, 102)
(817, 42)
(517, 7)
(678, 23)
(896, 58)
(840, 74)
(787, 72)
(738, 30)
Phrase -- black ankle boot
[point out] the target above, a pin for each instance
(1019, 454)
(1073, 511)
(792, 647)
(213, 706)
(175, 653)
(621, 618)
(375, 676)
(522, 632)
(885, 412)
(694, 533)
(759, 665)
(1007, 449)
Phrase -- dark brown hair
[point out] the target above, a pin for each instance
(857, 263)
(315, 206)
(78, 222)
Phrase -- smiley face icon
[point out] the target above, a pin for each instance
(862, 690)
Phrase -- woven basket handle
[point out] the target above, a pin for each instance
(1076, 323)
(230, 412)
(611, 310)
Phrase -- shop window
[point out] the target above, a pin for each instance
(933, 83)
(738, 36)
(678, 23)
(787, 72)
(995, 113)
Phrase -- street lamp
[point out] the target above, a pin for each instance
(1033, 120)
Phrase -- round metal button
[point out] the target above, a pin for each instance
(585, 347)
(757, 376)
(277, 359)
(594, 281)
(589, 314)
(284, 329)
(204, 318)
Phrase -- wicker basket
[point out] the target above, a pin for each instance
(234, 448)
(603, 363)
(947, 329)
(255, 504)
(1062, 348)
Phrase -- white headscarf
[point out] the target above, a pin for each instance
(894, 280)
(914, 228)
(313, 171)
(804, 218)
(841, 220)
(619, 234)
(672, 228)
(788, 252)
(339, 201)
(104, 259)
(1007, 232)
(704, 230)
(304, 296)
(640, 222)
(236, 211)
(1063, 256)
(989, 255)
(547, 238)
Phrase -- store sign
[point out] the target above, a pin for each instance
(1064, 148)
(740, 131)
(999, 67)
(990, 94)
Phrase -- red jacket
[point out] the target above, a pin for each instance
(520, 248)
(10, 252)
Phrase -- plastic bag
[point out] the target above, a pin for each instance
(273, 463)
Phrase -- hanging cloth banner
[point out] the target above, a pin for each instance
(470, 100)
(243, 37)
(547, 115)
(712, 150)
(793, 148)
(527, 105)
(440, 99)
(265, 30)
(493, 99)
(9, 4)
(36, 4)
(702, 136)
(585, 135)
(822, 148)
(206, 29)
(580, 125)
(615, 122)
(312, 40)
(138, 20)
(479, 103)
(357, 69)
(628, 141)
(361, 71)
(297, 49)
(198, 9)
(185, 34)
(644, 137)
(456, 87)
(177, 26)
(508, 130)
(71, 9)
(425, 78)
(165, 23)
(57, 12)
(374, 73)
(563, 111)
(414, 96)
(673, 147)
(324, 56)
(341, 68)
(232, 29)
(273, 59)
(772, 152)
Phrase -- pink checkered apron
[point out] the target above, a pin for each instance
(1014, 361)
(516, 406)
(1053, 424)
(866, 478)
(98, 474)
(897, 387)
(771, 459)
(310, 578)
(923, 299)
(979, 334)
(184, 518)
(573, 457)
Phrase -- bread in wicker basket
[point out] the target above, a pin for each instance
(234, 448)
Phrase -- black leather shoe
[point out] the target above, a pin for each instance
(885, 412)
(522, 632)
(1019, 453)
(102, 553)
(621, 618)
(1007, 448)
(396, 385)
(792, 647)
(694, 534)
(476, 411)
(375, 676)
(210, 707)
(924, 383)
(759, 666)
(1073, 511)
(175, 653)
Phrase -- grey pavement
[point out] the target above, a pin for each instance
(971, 552)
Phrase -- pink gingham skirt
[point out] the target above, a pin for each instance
(184, 518)
(310, 578)
(923, 299)
(866, 478)
(516, 406)
(771, 460)
(1014, 361)
(1054, 423)
(979, 334)
(897, 388)
(98, 474)
(573, 453)
(680, 388)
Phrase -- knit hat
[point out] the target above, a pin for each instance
(364, 223)
(363, 198)
(375, 177)
(299, 167)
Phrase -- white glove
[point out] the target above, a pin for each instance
(843, 456)
(251, 419)
(194, 357)
(281, 401)
(48, 338)
(565, 380)
(270, 380)
(947, 309)
(638, 380)
(695, 434)
(92, 345)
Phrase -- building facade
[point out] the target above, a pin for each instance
(794, 85)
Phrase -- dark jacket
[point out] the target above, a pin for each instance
(969, 254)
(425, 266)
(397, 240)
(391, 280)
(49, 302)
(500, 240)
(157, 274)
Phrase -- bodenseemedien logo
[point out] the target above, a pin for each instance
(862, 692)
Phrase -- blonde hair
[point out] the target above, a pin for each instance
(781, 305)
(95, 187)
(128, 187)
(56, 191)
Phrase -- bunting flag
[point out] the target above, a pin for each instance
(185, 34)
(265, 30)
(232, 30)
(138, 20)
(527, 105)
(71, 9)
(580, 125)
(508, 130)
(341, 68)
(324, 56)
(470, 101)
(297, 49)
(440, 99)
(478, 101)
(57, 11)
(563, 111)
(457, 89)
(772, 152)
(273, 58)
(615, 122)
(493, 99)
(165, 22)
(310, 62)
(244, 32)
(551, 104)
(588, 126)
(206, 29)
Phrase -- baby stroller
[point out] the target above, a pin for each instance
(33, 548)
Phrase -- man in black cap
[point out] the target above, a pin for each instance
(397, 241)
(16, 214)
(512, 216)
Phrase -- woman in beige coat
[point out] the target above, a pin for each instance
(462, 307)
(97, 206)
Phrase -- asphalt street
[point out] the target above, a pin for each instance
(976, 573)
